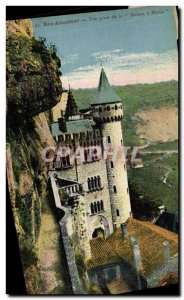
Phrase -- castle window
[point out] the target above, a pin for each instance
(116, 107)
(112, 119)
(117, 212)
(101, 206)
(98, 206)
(108, 120)
(99, 182)
(95, 182)
(68, 160)
(85, 155)
(89, 184)
(100, 109)
(95, 207)
(109, 139)
(63, 161)
(112, 164)
(116, 118)
(92, 183)
(92, 208)
(115, 189)
(108, 108)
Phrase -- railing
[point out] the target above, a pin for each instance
(73, 189)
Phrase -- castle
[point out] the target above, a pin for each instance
(94, 190)
(91, 195)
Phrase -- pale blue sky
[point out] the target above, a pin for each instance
(127, 46)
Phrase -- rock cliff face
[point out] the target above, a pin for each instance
(28, 133)
(20, 27)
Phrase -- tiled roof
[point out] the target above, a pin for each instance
(105, 93)
(74, 126)
(150, 239)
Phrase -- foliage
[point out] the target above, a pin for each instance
(149, 181)
(28, 252)
(33, 82)
(171, 145)
(135, 98)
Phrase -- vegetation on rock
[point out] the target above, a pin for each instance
(33, 78)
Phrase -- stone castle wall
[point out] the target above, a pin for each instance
(85, 171)
(68, 236)
(110, 118)
(117, 176)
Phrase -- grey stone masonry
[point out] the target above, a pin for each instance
(66, 233)
(166, 250)
(136, 254)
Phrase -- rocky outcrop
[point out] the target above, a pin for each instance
(20, 27)
(28, 133)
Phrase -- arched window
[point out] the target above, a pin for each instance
(108, 108)
(112, 164)
(95, 207)
(115, 190)
(98, 206)
(116, 107)
(68, 160)
(117, 212)
(92, 183)
(101, 206)
(89, 155)
(89, 184)
(63, 161)
(112, 119)
(108, 120)
(99, 182)
(116, 118)
(109, 139)
(92, 208)
(100, 109)
(95, 182)
(85, 155)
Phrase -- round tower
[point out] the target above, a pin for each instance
(107, 112)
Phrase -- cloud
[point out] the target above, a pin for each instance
(126, 68)
(69, 59)
(118, 60)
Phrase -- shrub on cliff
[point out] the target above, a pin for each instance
(33, 77)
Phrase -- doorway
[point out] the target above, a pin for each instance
(98, 233)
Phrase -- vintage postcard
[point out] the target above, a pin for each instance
(92, 150)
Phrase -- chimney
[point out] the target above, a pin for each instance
(166, 250)
(124, 230)
(62, 124)
(136, 254)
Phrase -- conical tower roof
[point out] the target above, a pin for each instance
(105, 93)
(71, 106)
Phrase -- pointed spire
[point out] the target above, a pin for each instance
(105, 93)
(71, 106)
